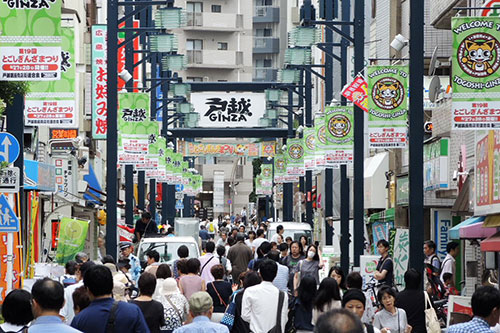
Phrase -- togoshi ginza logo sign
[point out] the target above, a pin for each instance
(229, 109)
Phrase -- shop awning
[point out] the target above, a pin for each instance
(491, 244)
(91, 179)
(455, 231)
(383, 216)
(476, 230)
(461, 205)
(492, 221)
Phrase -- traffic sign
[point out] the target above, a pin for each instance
(9, 180)
(8, 219)
(179, 187)
(179, 204)
(229, 201)
(9, 147)
(179, 195)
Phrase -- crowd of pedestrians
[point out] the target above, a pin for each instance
(242, 283)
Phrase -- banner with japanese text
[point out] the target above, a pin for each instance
(30, 40)
(310, 148)
(476, 79)
(339, 124)
(52, 103)
(266, 171)
(387, 106)
(487, 173)
(71, 240)
(263, 149)
(320, 141)
(279, 168)
(357, 92)
(295, 157)
(99, 82)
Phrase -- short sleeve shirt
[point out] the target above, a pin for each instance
(308, 268)
(388, 265)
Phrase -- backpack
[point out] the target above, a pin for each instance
(211, 228)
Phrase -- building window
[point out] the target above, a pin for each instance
(216, 9)
(264, 2)
(194, 7)
(194, 44)
(194, 79)
(222, 46)
(267, 32)
(263, 63)
(221, 80)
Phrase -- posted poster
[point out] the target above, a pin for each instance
(295, 157)
(401, 250)
(487, 173)
(339, 125)
(52, 103)
(279, 168)
(387, 106)
(310, 148)
(30, 40)
(476, 79)
(99, 82)
(72, 236)
(357, 92)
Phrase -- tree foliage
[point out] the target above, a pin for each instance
(8, 89)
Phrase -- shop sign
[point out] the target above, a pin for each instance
(387, 106)
(99, 82)
(441, 224)
(487, 173)
(476, 78)
(63, 133)
(229, 109)
(436, 165)
(30, 42)
(39, 176)
(339, 130)
(67, 177)
(53, 103)
(368, 266)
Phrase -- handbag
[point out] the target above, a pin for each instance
(277, 328)
(175, 308)
(228, 317)
(431, 321)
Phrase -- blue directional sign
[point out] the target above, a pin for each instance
(8, 219)
(179, 187)
(179, 204)
(9, 147)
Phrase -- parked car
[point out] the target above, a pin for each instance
(167, 248)
(292, 229)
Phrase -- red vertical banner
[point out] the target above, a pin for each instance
(121, 57)
(16, 277)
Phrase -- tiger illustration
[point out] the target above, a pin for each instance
(296, 151)
(339, 126)
(479, 55)
(387, 94)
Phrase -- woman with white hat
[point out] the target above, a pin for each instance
(175, 305)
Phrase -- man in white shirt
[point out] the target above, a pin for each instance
(260, 303)
(261, 238)
(448, 265)
(279, 232)
(207, 262)
(67, 310)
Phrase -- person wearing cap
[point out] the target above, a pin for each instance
(126, 250)
(354, 300)
(175, 305)
(201, 308)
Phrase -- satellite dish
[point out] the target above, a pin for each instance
(434, 89)
(432, 64)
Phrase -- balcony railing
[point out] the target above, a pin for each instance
(266, 74)
(266, 14)
(266, 44)
(214, 59)
(214, 21)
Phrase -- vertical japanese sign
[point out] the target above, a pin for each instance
(218, 196)
(310, 148)
(487, 173)
(476, 80)
(320, 142)
(387, 106)
(401, 255)
(66, 177)
(99, 82)
(339, 130)
(30, 40)
(295, 157)
(53, 103)
(357, 92)
(16, 277)
(72, 235)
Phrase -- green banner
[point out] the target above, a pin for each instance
(339, 131)
(476, 78)
(30, 40)
(279, 168)
(295, 157)
(387, 106)
(71, 240)
(310, 148)
(266, 170)
(320, 140)
(52, 103)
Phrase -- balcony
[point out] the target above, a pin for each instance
(266, 45)
(265, 74)
(266, 14)
(441, 12)
(214, 59)
(214, 22)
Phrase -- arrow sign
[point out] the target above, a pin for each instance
(8, 219)
(179, 187)
(9, 148)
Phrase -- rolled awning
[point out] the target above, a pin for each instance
(476, 231)
(455, 231)
(492, 221)
(491, 244)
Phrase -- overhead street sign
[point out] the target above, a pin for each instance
(9, 147)
(9, 180)
(8, 219)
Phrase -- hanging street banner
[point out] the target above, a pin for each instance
(388, 106)
(476, 79)
(229, 109)
(279, 168)
(320, 141)
(357, 92)
(263, 149)
(99, 91)
(295, 157)
(339, 123)
(266, 172)
(52, 103)
(30, 40)
(487, 173)
(310, 148)
(71, 240)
